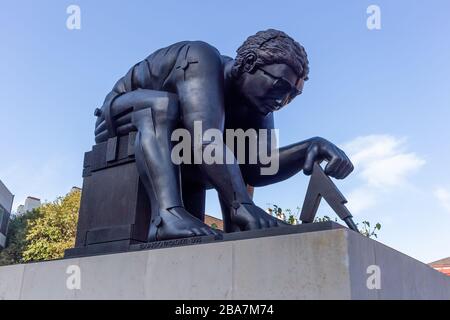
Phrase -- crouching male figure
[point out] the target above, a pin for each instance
(191, 81)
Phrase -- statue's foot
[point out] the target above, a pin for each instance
(176, 223)
(246, 216)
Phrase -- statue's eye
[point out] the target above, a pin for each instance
(282, 86)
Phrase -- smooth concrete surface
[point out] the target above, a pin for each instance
(329, 264)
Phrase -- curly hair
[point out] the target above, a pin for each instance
(273, 46)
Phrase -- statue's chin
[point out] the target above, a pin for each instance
(264, 109)
(256, 105)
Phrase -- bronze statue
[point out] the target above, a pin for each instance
(191, 81)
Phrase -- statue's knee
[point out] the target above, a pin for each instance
(164, 105)
(165, 102)
(158, 98)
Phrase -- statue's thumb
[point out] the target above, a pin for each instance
(309, 162)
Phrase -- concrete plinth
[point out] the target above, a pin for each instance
(332, 264)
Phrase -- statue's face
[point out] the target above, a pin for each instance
(269, 88)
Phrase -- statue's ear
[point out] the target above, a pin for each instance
(249, 62)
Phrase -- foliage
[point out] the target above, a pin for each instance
(54, 230)
(367, 231)
(44, 233)
(293, 217)
(16, 238)
(214, 226)
(286, 215)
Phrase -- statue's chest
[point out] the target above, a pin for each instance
(237, 117)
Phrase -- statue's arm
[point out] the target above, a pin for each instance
(291, 159)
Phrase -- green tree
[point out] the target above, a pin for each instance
(54, 230)
(16, 238)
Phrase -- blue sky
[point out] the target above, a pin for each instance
(383, 95)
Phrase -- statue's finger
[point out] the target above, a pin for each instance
(331, 167)
(311, 156)
(341, 171)
(100, 127)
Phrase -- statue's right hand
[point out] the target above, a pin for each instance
(339, 165)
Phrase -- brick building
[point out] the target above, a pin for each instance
(213, 222)
(442, 265)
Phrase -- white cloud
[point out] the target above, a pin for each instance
(443, 195)
(360, 199)
(382, 163)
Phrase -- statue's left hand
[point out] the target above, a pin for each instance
(339, 165)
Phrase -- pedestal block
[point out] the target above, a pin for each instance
(331, 264)
(114, 210)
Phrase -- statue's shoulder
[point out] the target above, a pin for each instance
(202, 47)
(165, 59)
(183, 48)
(163, 63)
(204, 52)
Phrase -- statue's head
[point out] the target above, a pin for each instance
(270, 70)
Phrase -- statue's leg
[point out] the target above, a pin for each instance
(155, 115)
(227, 211)
(193, 189)
(194, 197)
